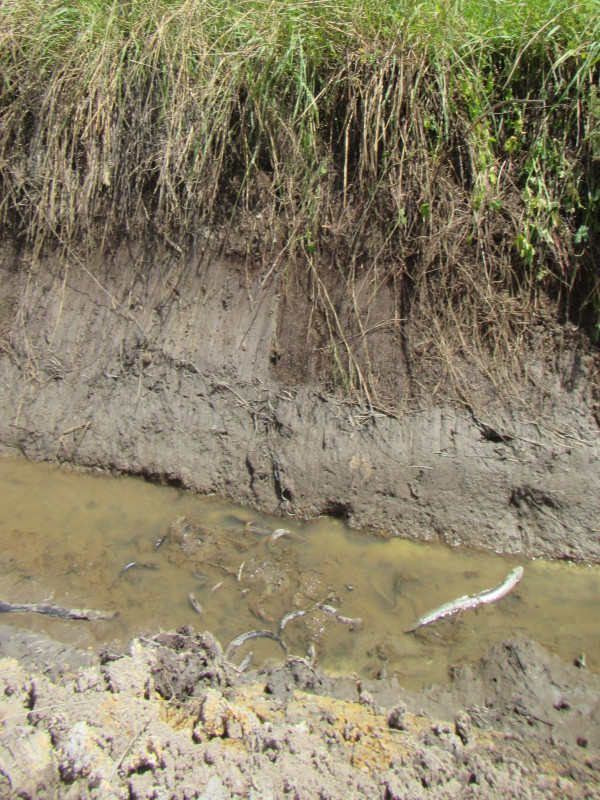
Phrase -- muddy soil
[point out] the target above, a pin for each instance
(215, 375)
(170, 718)
(212, 374)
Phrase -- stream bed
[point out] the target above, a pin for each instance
(122, 544)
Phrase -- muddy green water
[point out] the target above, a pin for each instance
(65, 537)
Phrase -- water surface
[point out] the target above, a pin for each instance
(65, 537)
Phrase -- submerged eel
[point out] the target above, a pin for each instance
(470, 601)
(56, 611)
(246, 637)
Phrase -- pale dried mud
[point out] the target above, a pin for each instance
(170, 718)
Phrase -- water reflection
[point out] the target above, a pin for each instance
(158, 555)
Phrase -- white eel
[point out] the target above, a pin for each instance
(470, 601)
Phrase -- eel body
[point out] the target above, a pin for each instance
(246, 637)
(56, 611)
(470, 601)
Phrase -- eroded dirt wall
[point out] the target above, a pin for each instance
(142, 362)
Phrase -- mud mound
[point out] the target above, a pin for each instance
(520, 688)
(170, 718)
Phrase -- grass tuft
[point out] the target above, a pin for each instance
(450, 150)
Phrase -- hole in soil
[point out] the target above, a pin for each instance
(562, 705)
(334, 508)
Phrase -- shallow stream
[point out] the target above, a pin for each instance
(66, 537)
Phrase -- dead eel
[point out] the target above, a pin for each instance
(248, 636)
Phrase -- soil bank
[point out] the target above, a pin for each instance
(211, 373)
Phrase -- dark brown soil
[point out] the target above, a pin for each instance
(209, 373)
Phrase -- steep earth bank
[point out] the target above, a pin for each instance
(216, 374)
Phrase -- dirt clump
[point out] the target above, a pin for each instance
(170, 718)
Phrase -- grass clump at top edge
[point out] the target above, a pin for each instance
(451, 149)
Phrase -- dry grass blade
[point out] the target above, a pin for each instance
(452, 148)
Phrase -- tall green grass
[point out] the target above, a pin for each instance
(451, 148)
